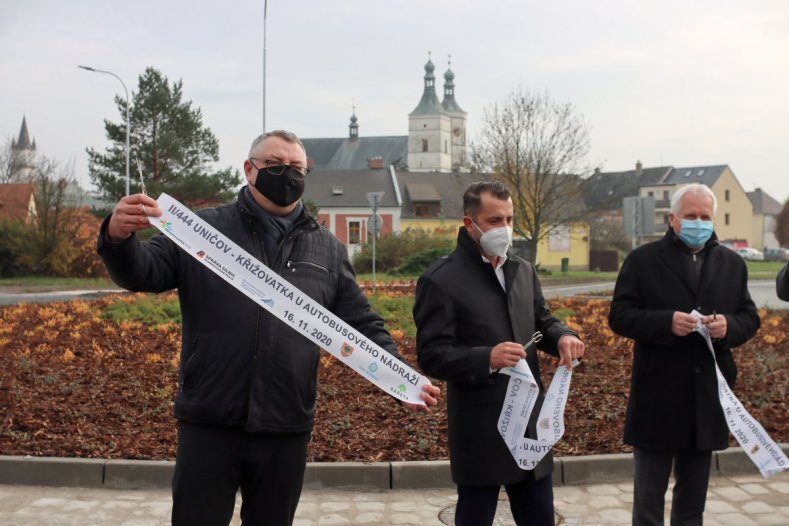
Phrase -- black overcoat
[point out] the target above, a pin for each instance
(461, 313)
(673, 400)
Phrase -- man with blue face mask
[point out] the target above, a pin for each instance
(674, 418)
(474, 311)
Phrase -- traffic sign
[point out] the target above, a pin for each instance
(374, 224)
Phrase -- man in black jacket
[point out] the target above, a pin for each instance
(246, 400)
(674, 416)
(475, 309)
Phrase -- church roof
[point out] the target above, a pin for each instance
(348, 188)
(16, 201)
(354, 154)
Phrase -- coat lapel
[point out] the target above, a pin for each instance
(511, 268)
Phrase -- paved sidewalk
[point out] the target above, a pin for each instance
(732, 501)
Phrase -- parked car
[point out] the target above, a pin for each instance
(751, 254)
(776, 254)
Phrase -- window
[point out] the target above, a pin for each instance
(726, 218)
(425, 210)
(424, 145)
(651, 193)
(665, 195)
(726, 196)
(354, 232)
(665, 219)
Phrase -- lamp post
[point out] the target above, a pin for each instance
(128, 123)
(265, 8)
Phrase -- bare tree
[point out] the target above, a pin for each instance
(537, 147)
(47, 249)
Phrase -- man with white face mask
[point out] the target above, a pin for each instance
(474, 311)
(674, 418)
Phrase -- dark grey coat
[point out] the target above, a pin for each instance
(461, 313)
(673, 400)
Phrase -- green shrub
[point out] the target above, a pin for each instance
(396, 312)
(415, 265)
(148, 309)
(392, 250)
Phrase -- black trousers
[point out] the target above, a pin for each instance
(691, 476)
(213, 462)
(531, 503)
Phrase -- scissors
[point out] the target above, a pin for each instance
(142, 183)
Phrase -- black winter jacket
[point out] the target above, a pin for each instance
(461, 313)
(673, 401)
(240, 366)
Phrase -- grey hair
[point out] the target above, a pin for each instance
(282, 134)
(693, 189)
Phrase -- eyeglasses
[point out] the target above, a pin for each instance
(278, 168)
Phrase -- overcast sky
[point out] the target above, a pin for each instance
(666, 82)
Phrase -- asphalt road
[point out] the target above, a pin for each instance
(762, 292)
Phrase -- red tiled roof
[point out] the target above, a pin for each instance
(15, 201)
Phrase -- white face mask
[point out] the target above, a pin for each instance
(495, 241)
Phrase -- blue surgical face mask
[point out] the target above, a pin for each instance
(694, 233)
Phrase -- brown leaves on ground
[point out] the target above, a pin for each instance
(75, 385)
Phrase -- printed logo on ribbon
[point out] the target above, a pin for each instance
(346, 350)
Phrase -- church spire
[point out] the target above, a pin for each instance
(429, 103)
(353, 128)
(23, 143)
(449, 104)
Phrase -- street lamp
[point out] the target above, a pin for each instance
(265, 8)
(128, 123)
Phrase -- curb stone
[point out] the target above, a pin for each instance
(151, 474)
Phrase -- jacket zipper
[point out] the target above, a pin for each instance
(262, 257)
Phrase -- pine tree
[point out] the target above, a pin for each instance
(168, 137)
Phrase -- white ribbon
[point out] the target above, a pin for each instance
(290, 305)
(522, 394)
(755, 441)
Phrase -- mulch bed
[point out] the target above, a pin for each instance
(75, 385)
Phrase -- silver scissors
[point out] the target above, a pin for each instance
(142, 183)
(535, 338)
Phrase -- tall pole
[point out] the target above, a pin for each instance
(128, 122)
(265, 8)
(375, 234)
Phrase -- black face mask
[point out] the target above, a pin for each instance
(282, 185)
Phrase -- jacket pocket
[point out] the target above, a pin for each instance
(192, 366)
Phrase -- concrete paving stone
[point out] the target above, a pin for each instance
(754, 489)
(603, 489)
(756, 507)
(333, 519)
(48, 502)
(719, 506)
(733, 494)
(616, 517)
(770, 520)
(405, 519)
(368, 518)
(333, 506)
(402, 506)
(371, 506)
(780, 487)
(603, 502)
(735, 519)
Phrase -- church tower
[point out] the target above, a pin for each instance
(429, 131)
(23, 156)
(457, 121)
(353, 128)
